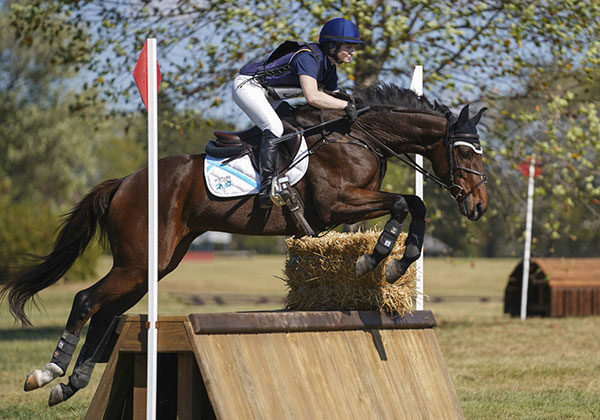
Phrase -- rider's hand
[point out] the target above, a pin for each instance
(341, 94)
(351, 112)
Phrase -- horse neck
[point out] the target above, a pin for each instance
(406, 131)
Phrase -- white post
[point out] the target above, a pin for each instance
(152, 231)
(527, 251)
(417, 86)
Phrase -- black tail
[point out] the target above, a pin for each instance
(77, 230)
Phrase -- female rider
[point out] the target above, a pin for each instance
(290, 70)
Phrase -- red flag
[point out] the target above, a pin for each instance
(140, 74)
(524, 168)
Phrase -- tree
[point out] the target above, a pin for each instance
(43, 162)
(558, 121)
(489, 51)
(483, 45)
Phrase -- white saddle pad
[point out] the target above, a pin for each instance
(238, 177)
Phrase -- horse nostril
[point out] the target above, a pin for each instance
(480, 209)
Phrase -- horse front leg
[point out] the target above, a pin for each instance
(414, 241)
(387, 240)
(362, 204)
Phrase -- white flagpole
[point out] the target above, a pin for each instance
(527, 251)
(417, 86)
(152, 231)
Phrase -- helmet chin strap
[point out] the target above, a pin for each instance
(333, 50)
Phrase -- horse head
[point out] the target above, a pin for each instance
(458, 160)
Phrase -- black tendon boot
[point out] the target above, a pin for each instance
(268, 165)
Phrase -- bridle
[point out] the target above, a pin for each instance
(470, 140)
(451, 141)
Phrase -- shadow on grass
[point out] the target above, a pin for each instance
(30, 334)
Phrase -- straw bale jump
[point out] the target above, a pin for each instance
(320, 275)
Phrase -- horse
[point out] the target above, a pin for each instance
(341, 185)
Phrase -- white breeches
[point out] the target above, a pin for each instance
(253, 99)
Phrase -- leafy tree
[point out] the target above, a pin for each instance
(558, 121)
(44, 164)
(491, 51)
(483, 45)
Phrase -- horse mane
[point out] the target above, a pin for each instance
(382, 95)
(385, 94)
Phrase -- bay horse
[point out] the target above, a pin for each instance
(341, 186)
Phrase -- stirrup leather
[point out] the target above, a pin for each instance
(282, 193)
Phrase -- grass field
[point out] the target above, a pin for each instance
(502, 368)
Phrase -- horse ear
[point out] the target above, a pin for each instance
(463, 117)
(477, 117)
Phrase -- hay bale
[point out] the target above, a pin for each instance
(320, 274)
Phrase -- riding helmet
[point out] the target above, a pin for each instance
(340, 30)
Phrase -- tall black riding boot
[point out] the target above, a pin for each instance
(268, 165)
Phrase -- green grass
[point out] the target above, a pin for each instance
(502, 368)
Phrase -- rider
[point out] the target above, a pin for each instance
(290, 70)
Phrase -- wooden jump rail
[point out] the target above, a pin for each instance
(278, 365)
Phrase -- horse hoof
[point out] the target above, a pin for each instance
(60, 393)
(394, 270)
(364, 265)
(56, 395)
(33, 380)
(38, 378)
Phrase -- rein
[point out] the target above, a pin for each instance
(406, 159)
(455, 190)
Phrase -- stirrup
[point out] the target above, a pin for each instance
(278, 190)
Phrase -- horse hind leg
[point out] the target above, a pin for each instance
(85, 304)
(84, 365)
(136, 289)
(61, 357)
(65, 348)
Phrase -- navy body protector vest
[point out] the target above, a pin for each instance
(274, 74)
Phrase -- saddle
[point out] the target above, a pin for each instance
(232, 145)
(235, 144)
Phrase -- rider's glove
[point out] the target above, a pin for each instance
(351, 112)
(341, 94)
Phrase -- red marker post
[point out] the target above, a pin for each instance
(147, 77)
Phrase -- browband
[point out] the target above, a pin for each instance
(475, 146)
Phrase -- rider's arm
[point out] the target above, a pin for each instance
(317, 98)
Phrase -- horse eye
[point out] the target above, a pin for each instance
(464, 154)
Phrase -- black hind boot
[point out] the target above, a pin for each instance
(268, 164)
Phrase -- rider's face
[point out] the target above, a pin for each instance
(345, 53)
